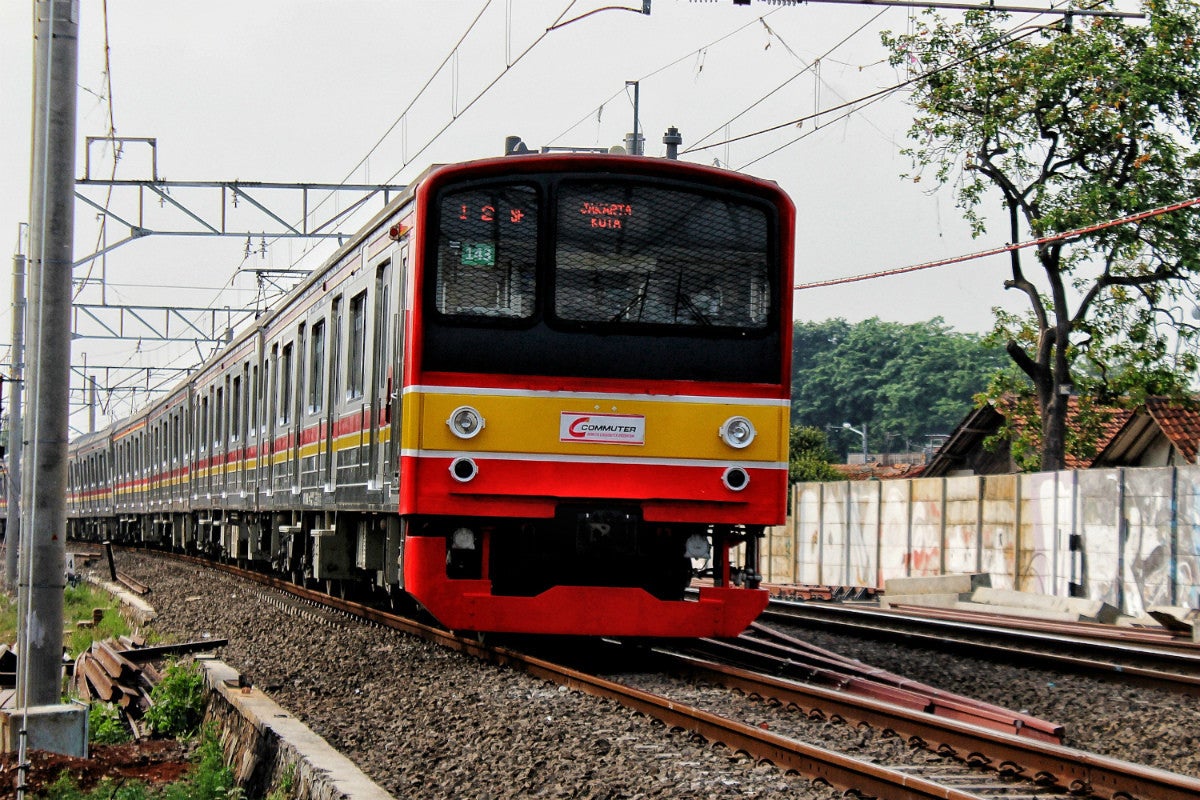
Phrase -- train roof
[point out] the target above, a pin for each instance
(487, 167)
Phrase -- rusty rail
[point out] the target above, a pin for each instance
(1127, 661)
(1076, 771)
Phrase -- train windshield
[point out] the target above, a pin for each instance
(487, 252)
(618, 276)
(642, 254)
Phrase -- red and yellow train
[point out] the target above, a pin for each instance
(539, 393)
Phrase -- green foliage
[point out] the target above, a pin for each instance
(65, 788)
(809, 456)
(105, 725)
(210, 778)
(177, 701)
(287, 784)
(8, 619)
(903, 381)
(1074, 125)
(78, 602)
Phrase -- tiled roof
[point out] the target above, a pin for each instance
(883, 472)
(1117, 419)
(1179, 423)
(966, 441)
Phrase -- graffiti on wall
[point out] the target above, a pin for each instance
(1129, 537)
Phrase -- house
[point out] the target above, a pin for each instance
(1159, 433)
(964, 452)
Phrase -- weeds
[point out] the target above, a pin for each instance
(178, 701)
(208, 779)
(105, 725)
(78, 602)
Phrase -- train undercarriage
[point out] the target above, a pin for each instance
(586, 563)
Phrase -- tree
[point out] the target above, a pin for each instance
(809, 456)
(902, 381)
(1074, 124)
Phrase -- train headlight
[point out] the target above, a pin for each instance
(738, 432)
(462, 539)
(465, 422)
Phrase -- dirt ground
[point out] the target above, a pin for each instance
(150, 761)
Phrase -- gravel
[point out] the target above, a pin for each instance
(424, 722)
(1146, 726)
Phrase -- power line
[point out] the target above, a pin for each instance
(807, 68)
(599, 109)
(1008, 248)
(458, 112)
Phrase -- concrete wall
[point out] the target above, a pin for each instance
(1129, 537)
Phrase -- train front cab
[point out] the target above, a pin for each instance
(595, 399)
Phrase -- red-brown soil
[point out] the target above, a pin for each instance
(150, 761)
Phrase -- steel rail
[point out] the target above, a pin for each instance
(1035, 758)
(784, 656)
(1159, 639)
(1077, 771)
(875, 624)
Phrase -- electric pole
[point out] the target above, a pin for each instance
(52, 229)
(16, 432)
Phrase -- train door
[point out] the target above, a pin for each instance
(381, 375)
(331, 396)
(298, 410)
(391, 465)
(203, 437)
(279, 406)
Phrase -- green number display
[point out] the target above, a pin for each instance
(478, 254)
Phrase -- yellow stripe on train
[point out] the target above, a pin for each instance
(577, 424)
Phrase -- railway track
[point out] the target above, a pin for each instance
(965, 760)
(1143, 657)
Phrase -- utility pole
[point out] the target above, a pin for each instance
(634, 141)
(52, 229)
(16, 432)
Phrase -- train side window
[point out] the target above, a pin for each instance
(235, 408)
(285, 385)
(382, 316)
(271, 389)
(254, 395)
(219, 411)
(203, 437)
(487, 252)
(356, 357)
(316, 367)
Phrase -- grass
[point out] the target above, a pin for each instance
(208, 779)
(78, 603)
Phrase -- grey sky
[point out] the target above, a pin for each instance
(300, 90)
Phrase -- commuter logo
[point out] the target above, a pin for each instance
(604, 428)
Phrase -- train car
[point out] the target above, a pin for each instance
(539, 393)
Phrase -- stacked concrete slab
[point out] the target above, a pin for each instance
(938, 591)
(974, 592)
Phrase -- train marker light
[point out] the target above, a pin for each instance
(697, 546)
(463, 469)
(735, 479)
(462, 539)
(465, 422)
(738, 432)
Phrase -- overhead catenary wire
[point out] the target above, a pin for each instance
(1007, 248)
(112, 134)
(689, 54)
(458, 112)
(808, 66)
(982, 50)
